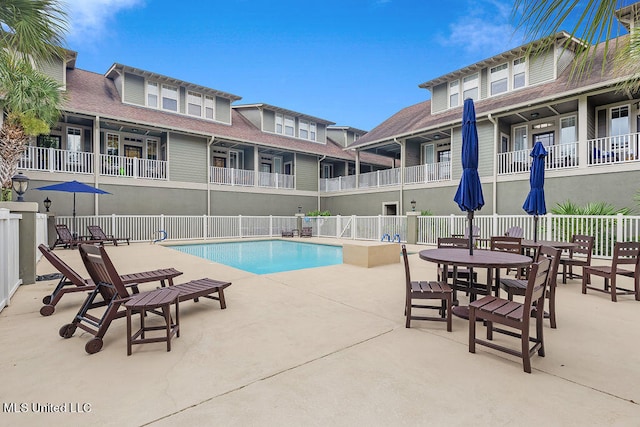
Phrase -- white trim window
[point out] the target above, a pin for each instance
(113, 144)
(289, 126)
(313, 131)
(519, 73)
(470, 87)
(520, 138)
(303, 129)
(429, 154)
(152, 94)
(152, 149)
(279, 122)
(194, 104)
(327, 170)
(568, 130)
(499, 78)
(74, 139)
(209, 108)
(169, 98)
(454, 94)
(619, 122)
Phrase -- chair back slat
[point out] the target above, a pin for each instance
(96, 232)
(514, 232)
(625, 253)
(584, 246)
(61, 266)
(537, 283)
(102, 271)
(64, 233)
(506, 244)
(553, 255)
(453, 242)
(407, 273)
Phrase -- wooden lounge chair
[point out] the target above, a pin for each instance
(514, 231)
(67, 240)
(287, 233)
(514, 315)
(624, 254)
(71, 281)
(114, 293)
(306, 232)
(98, 234)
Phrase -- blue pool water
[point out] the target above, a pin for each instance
(266, 256)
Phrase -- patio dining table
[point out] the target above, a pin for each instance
(459, 257)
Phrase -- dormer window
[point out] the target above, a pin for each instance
(194, 104)
(289, 125)
(499, 79)
(454, 93)
(312, 131)
(169, 98)
(470, 87)
(208, 108)
(519, 73)
(304, 129)
(152, 95)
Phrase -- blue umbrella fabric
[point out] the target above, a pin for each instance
(469, 195)
(73, 187)
(534, 203)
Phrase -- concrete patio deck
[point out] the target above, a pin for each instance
(322, 346)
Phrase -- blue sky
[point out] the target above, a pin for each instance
(353, 62)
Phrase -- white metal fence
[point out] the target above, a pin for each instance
(606, 229)
(9, 257)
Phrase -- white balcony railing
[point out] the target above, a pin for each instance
(275, 180)
(341, 183)
(56, 160)
(561, 156)
(614, 149)
(132, 167)
(381, 178)
(433, 172)
(229, 176)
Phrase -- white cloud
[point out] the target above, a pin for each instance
(88, 19)
(483, 30)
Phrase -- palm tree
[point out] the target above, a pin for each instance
(30, 32)
(595, 20)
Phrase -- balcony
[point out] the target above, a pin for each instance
(56, 160)
(613, 149)
(432, 172)
(381, 178)
(561, 156)
(246, 178)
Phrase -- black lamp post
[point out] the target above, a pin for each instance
(20, 184)
(413, 206)
(47, 204)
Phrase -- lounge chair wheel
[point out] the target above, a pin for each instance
(47, 310)
(46, 300)
(93, 346)
(67, 330)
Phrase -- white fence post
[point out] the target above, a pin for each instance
(205, 228)
(240, 226)
(338, 225)
(113, 226)
(270, 225)
(547, 226)
(620, 237)
(494, 225)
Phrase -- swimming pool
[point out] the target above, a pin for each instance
(266, 256)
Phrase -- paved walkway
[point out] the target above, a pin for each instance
(321, 347)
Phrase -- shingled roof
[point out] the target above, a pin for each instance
(93, 94)
(418, 118)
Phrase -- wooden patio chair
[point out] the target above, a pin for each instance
(474, 235)
(67, 240)
(519, 286)
(306, 232)
(98, 234)
(583, 248)
(71, 281)
(435, 290)
(465, 276)
(504, 244)
(626, 254)
(111, 288)
(514, 315)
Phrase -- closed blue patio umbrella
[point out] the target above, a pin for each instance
(73, 187)
(534, 203)
(469, 195)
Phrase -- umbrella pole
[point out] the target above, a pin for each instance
(75, 225)
(470, 218)
(535, 228)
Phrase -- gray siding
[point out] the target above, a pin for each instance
(53, 68)
(182, 100)
(338, 135)
(350, 138)
(438, 200)
(359, 204)
(486, 142)
(223, 110)
(322, 133)
(565, 57)
(412, 154)
(456, 150)
(252, 115)
(306, 172)
(268, 121)
(484, 83)
(541, 67)
(153, 201)
(231, 203)
(439, 98)
(187, 158)
(133, 89)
